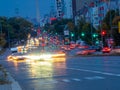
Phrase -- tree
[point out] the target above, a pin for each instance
(109, 18)
(15, 28)
(110, 24)
(116, 19)
(21, 27)
(115, 33)
(2, 41)
(71, 26)
(85, 31)
(59, 26)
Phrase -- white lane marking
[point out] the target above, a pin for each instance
(105, 73)
(109, 73)
(94, 78)
(76, 79)
(99, 77)
(118, 75)
(53, 81)
(89, 78)
(48, 82)
(65, 80)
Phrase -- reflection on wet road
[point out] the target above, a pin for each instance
(38, 72)
(71, 73)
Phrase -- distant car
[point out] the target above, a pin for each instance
(106, 50)
(85, 51)
(16, 56)
(59, 54)
(72, 46)
(65, 47)
(14, 49)
(97, 48)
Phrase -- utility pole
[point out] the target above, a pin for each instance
(37, 12)
(0, 29)
(9, 39)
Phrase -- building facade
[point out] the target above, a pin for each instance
(59, 5)
(68, 13)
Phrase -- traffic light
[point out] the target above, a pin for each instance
(72, 34)
(95, 35)
(97, 42)
(82, 34)
(103, 32)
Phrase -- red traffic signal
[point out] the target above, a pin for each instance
(103, 32)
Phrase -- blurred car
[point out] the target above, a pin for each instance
(85, 51)
(97, 48)
(65, 47)
(84, 46)
(72, 46)
(106, 50)
(58, 54)
(16, 56)
(13, 49)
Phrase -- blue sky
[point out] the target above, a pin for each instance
(25, 7)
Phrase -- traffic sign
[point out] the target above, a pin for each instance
(66, 32)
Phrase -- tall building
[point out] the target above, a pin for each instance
(97, 13)
(67, 10)
(59, 8)
(63, 8)
(78, 5)
(80, 8)
(118, 5)
(93, 10)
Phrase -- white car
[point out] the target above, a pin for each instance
(14, 49)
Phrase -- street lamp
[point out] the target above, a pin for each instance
(0, 28)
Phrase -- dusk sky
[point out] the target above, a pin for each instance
(26, 8)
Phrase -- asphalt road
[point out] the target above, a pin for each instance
(75, 73)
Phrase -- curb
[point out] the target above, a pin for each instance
(14, 85)
(92, 55)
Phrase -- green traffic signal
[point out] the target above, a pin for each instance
(72, 34)
(95, 35)
(97, 42)
(82, 34)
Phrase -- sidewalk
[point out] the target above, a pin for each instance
(10, 86)
(5, 54)
(14, 84)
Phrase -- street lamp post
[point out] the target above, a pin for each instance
(8, 39)
(0, 29)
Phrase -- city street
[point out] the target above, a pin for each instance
(74, 73)
(60, 45)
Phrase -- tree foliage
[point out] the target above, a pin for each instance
(2, 41)
(87, 29)
(14, 28)
(110, 24)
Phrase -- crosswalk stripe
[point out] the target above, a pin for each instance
(118, 75)
(99, 77)
(89, 78)
(94, 78)
(48, 82)
(65, 80)
(53, 81)
(76, 79)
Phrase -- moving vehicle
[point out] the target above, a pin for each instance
(85, 51)
(106, 49)
(16, 56)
